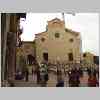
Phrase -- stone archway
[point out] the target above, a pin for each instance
(30, 59)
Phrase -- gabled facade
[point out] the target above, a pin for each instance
(58, 43)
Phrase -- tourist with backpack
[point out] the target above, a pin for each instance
(43, 74)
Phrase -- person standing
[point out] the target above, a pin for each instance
(92, 81)
(38, 72)
(77, 78)
(74, 78)
(43, 74)
(71, 78)
(81, 72)
(46, 73)
(60, 82)
(33, 73)
(89, 71)
(27, 75)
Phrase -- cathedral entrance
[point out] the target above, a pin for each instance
(70, 56)
(30, 59)
(45, 56)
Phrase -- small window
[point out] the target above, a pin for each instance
(70, 55)
(42, 39)
(71, 40)
(57, 35)
(84, 55)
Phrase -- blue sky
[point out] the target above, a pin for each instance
(85, 23)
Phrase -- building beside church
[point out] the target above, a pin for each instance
(90, 58)
(58, 43)
(27, 50)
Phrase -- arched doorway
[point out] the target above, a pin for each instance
(45, 56)
(30, 59)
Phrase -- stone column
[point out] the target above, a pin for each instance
(11, 54)
(5, 20)
(12, 39)
(9, 22)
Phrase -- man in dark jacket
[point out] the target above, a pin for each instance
(26, 75)
(60, 82)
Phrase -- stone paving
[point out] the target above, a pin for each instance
(51, 82)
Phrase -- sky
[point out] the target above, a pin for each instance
(85, 23)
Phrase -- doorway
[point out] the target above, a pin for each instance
(70, 56)
(45, 56)
(30, 59)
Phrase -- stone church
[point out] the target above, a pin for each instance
(58, 43)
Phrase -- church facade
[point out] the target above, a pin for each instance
(58, 43)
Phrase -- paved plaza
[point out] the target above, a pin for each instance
(51, 82)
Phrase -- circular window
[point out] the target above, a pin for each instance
(57, 35)
(71, 40)
(42, 39)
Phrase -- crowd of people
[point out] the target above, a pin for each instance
(74, 74)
